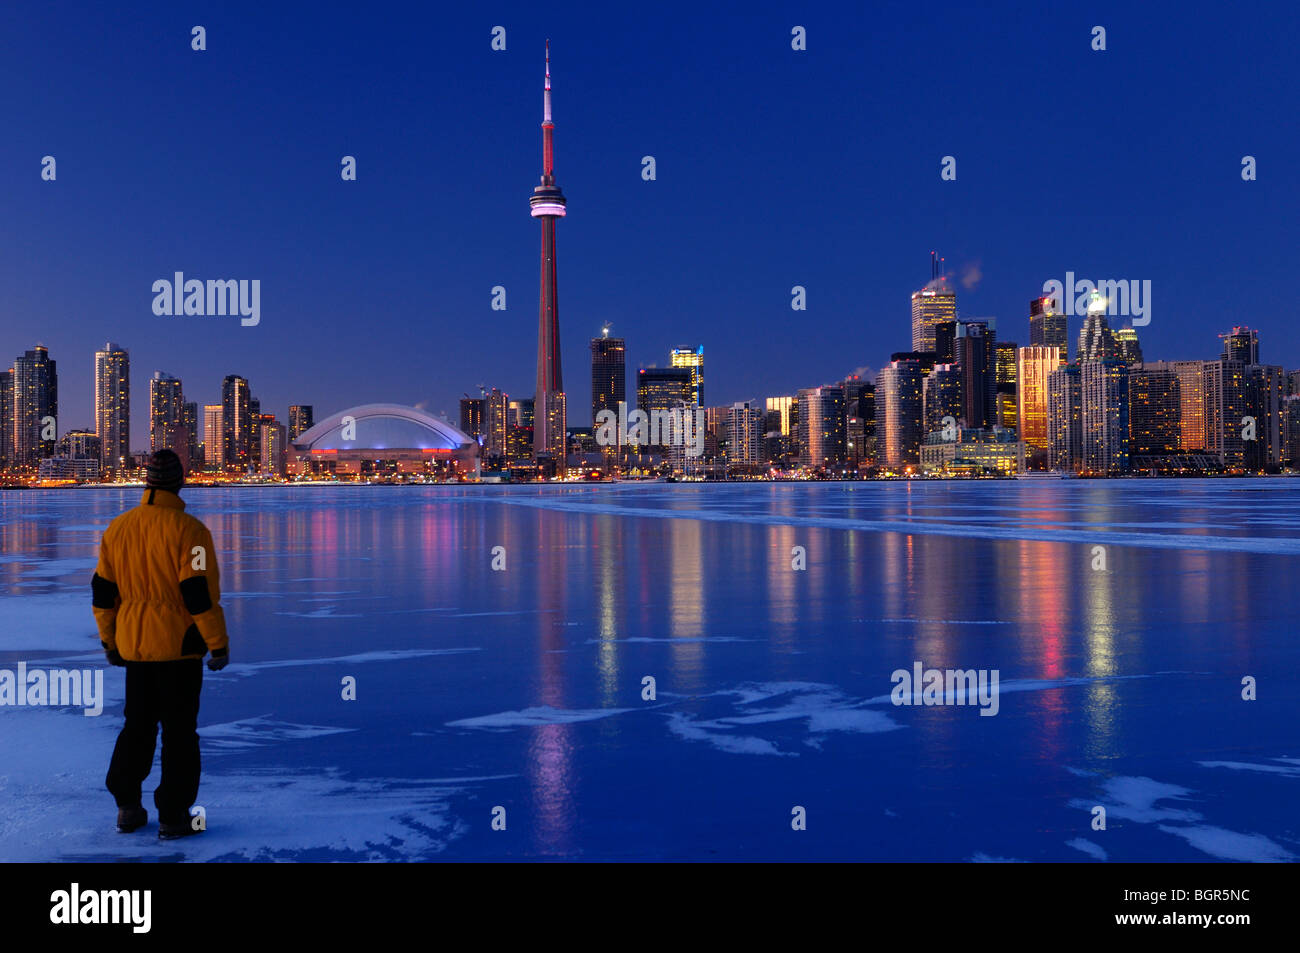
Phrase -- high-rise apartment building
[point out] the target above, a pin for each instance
(35, 407)
(113, 406)
(1155, 404)
(822, 441)
(1065, 419)
(1104, 388)
(167, 416)
(900, 406)
(236, 424)
(1242, 345)
(214, 441)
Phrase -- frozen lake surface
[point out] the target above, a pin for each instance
(1120, 673)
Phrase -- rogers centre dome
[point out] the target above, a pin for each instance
(378, 439)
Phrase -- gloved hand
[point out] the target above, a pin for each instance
(220, 659)
(115, 658)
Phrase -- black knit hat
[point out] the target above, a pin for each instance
(163, 471)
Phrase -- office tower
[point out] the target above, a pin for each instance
(941, 397)
(496, 425)
(300, 420)
(35, 407)
(471, 416)
(608, 374)
(1065, 419)
(975, 356)
(945, 342)
(1047, 326)
(6, 418)
(899, 413)
(822, 440)
(1264, 385)
(1241, 344)
(1006, 375)
(1035, 364)
(1293, 382)
(167, 417)
(1127, 347)
(236, 424)
(520, 413)
(744, 434)
(685, 357)
(1226, 407)
(1096, 341)
(273, 441)
(664, 390)
(717, 424)
(1104, 388)
(214, 441)
(190, 427)
(934, 303)
(859, 418)
(780, 432)
(113, 406)
(548, 204)
(1154, 410)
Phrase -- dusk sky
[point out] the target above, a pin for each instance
(775, 168)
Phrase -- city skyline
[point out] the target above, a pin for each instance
(682, 257)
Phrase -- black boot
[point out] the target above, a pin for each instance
(176, 831)
(131, 819)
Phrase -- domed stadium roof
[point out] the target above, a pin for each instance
(382, 427)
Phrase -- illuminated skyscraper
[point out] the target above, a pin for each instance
(1226, 406)
(190, 425)
(496, 427)
(1047, 326)
(548, 204)
(471, 416)
(1006, 374)
(685, 357)
(214, 440)
(6, 417)
(664, 390)
(822, 441)
(1241, 344)
(1065, 419)
(941, 396)
(1191, 401)
(1096, 340)
(1104, 388)
(1265, 385)
(113, 406)
(934, 303)
(1154, 403)
(975, 352)
(35, 407)
(1035, 364)
(608, 374)
(1127, 346)
(899, 413)
(744, 434)
(300, 420)
(167, 416)
(236, 424)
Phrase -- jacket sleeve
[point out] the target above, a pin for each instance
(105, 598)
(200, 588)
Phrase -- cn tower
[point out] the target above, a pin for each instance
(547, 203)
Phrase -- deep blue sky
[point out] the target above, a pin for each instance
(775, 168)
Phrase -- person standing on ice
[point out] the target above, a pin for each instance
(157, 607)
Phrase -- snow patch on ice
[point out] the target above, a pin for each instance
(1088, 847)
(532, 717)
(1231, 845)
(259, 731)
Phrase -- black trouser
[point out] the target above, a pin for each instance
(166, 692)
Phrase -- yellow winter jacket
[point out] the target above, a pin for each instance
(155, 591)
